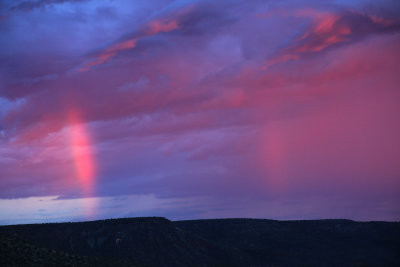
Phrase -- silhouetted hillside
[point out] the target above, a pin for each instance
(15, 252)
(220, 242)
(305, 243)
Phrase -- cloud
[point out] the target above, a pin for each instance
(152, 28)
(330, 29)
(30, 5)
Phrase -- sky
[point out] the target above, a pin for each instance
(199, 109)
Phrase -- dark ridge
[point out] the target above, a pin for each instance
(335, 242)
(16, 252)
(156, 241)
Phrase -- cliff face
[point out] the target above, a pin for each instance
(227, 242)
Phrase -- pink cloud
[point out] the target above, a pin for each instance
(109, 53)
(158, 26)
(152, 28)
(329, 29)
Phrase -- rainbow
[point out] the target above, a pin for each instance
(83, 160)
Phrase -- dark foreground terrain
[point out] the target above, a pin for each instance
(220, 242)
